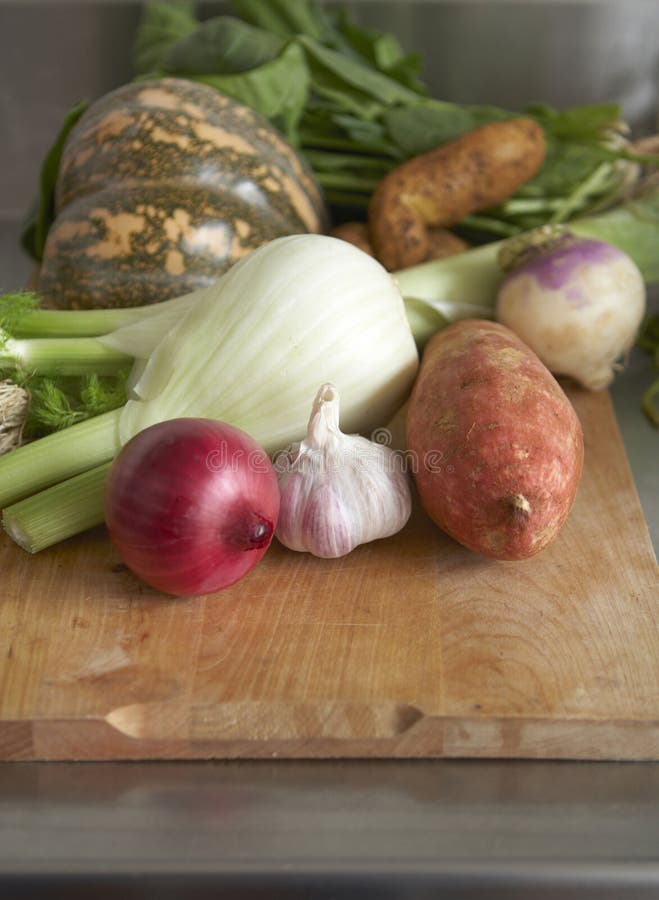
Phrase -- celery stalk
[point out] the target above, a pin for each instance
(79, 505)
(58, 456)
(457, 286)
(83, 342)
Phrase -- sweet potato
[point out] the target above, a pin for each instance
(496, 445)
(477, 171)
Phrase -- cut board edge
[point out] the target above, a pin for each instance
(449, 737)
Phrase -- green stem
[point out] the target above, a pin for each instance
(75, 322)
(55, 323)
(456, 286)
(466, 285)
(347, 198)
(650, 403)
(525, 205)
(319, 139)
(59, 512)
(347, 181)
(497, 227)
(425, 320)
(331, 161)
(58, 456)
(62, 356)
(575, 201)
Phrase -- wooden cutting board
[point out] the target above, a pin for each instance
(410, 647)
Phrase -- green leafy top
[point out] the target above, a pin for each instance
(13, 307)
(364, 101)
(648, 340)
(354, 104)
(162, 26)
(40, 216)
(57, 403)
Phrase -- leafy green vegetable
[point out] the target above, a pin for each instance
(648, 340)
(578, 122)
(329, 67)
(162, 25)
(417, 128)
(364, 97)
(13, 309)
(383, 51)
(285, 18)
(278, 89)
(39, 218)
(224, 45)
(353, 102)
(56, 404)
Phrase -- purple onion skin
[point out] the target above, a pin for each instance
(191, 505)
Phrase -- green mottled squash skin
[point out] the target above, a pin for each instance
(163, 185)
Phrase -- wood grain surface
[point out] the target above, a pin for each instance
(409, 647)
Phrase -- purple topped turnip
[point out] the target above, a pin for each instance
(577, 302)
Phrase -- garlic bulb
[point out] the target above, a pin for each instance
(339, 490)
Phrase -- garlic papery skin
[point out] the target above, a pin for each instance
(339, 490)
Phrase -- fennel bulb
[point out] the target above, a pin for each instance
(302, 310)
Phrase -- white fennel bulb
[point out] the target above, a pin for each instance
(300, 311)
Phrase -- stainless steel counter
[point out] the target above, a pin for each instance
(454, 829)
(330, 830)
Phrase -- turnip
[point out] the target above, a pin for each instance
(577, 302)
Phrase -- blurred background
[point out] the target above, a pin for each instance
(504, 52)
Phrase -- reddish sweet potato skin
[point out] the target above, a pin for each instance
(496, 446)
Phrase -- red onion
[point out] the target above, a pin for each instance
(191, 505)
